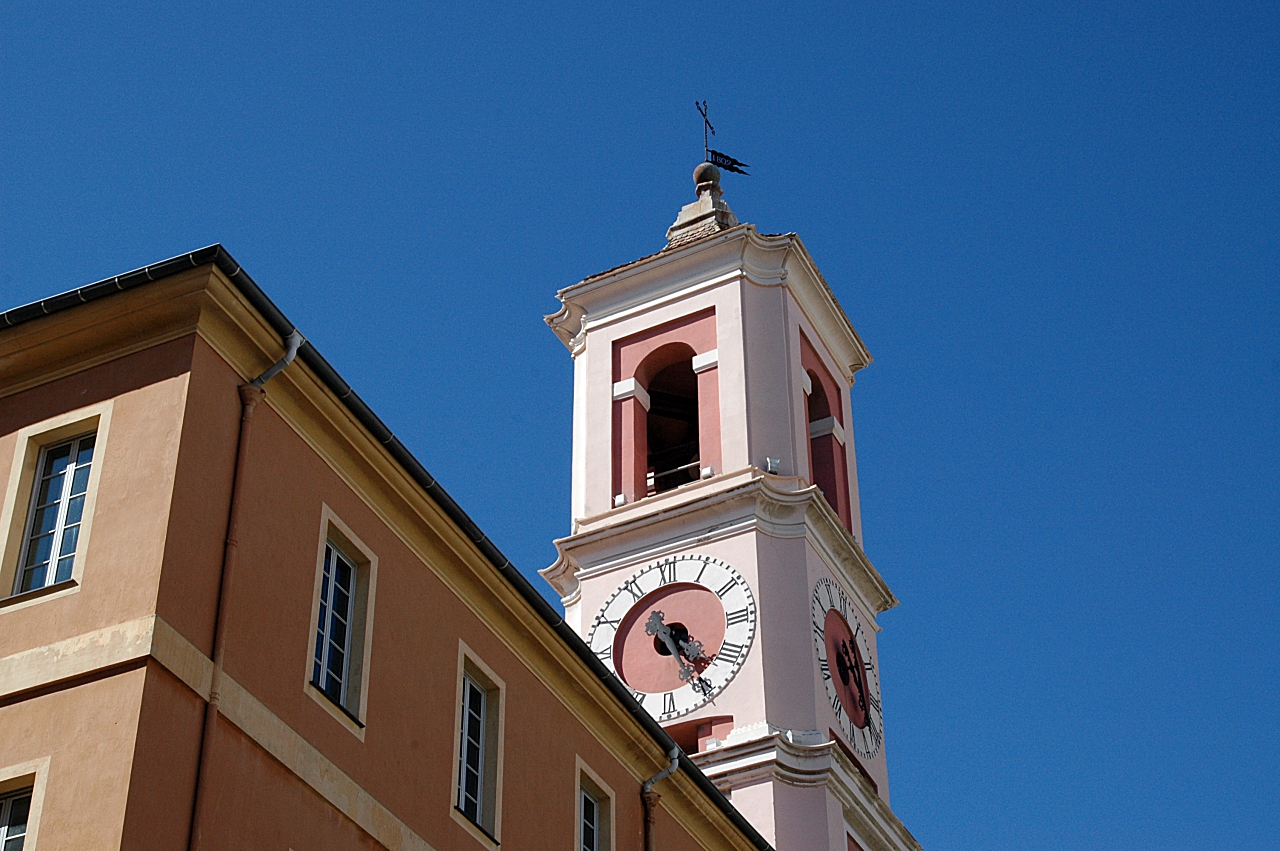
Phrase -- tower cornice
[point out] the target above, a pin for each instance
(781, 507)
(769, 260)
(807, 758)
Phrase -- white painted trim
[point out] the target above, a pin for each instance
(828, 425)
(706, 360)
(628, 387)
(806, 382)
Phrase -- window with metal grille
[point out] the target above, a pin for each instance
(589, 812)
(331, 671)
(56, 512)
(471, 751)
(14, 810)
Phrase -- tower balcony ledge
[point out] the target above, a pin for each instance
(712, 509)
(806, 759)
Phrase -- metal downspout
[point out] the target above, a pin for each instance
(250, 395)
(649, 798)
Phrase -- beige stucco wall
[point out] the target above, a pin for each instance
(85, 731)
(121, 730)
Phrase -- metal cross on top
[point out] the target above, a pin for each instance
(716, 158)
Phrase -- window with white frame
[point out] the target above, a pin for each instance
(589, 814)
(471, 747)
(339, 632)
(14, 810)
(479, 747)
(595, 812)
(55, 514)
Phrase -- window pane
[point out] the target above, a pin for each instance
(38, 550)
(18, 814)
(590, 822)
(34, 577)
(86, 450)
(80, 481)
(45, 520)
(64, 568)
(342, 574)
(75, 509)
(69, 538)
(14, 844)
(55, 460)
(338, 621)
(50, 490)
(336, 659)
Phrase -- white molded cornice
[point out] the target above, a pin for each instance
(778, 260)
(727, 504)
(806, 758)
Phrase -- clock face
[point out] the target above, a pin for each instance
(676, 632)
(847, 667)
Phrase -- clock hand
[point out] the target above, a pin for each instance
(692, 650)
(847, 660)
(655, 626)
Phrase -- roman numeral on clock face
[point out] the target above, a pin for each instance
(666, 573)
(668, 703)
(740, 616)
(729, 652)
(728, 586)
(632, 587)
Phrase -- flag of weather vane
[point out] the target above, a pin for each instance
(716, 158)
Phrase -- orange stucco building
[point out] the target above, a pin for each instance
(243, 616)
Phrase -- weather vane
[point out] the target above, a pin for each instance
(716, 158)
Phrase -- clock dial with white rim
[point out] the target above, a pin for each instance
(847, 667)
(676, 632)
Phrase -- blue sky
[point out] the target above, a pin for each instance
(1054, 225)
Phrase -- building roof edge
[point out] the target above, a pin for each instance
(218, 256)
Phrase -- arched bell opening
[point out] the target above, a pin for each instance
(672, 427)
(825, 455)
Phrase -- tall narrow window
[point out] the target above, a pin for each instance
(471, 751)
(477, 800)
(595, 811)
(14, 811)
(589, 811)
(331, 671)
(57, 509)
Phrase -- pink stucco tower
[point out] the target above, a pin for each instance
(715, 560)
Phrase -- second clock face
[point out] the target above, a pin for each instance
(847, 667)
(676, 632)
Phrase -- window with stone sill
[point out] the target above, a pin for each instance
(55, 514)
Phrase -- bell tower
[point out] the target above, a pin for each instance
(715, 557)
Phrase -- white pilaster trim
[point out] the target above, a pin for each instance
(628, 387)
(806, 382)
(706, 360)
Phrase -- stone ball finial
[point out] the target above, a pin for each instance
(706, 173)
